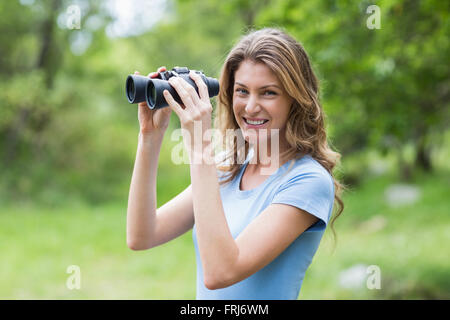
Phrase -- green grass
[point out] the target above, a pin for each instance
(411, 248)
(38, 245)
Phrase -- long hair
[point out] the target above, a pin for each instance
(305, 128)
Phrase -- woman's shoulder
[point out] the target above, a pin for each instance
(306, 164)
(306, 168)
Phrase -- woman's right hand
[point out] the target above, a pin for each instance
(156, 120)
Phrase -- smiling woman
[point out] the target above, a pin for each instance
(255, 234)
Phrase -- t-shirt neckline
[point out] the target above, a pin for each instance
(247, 193)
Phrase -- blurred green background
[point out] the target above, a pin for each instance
(68, 139)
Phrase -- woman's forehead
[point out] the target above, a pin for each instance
(255, 74)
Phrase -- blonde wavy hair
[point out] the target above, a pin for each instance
(305, 129)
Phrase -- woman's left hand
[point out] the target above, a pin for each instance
(195, 117)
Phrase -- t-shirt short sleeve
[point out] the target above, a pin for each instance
(312, 192)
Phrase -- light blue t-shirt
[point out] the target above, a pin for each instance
(308, 186)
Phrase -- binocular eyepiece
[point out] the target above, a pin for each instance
(141, 88)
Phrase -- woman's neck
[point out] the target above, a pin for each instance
(270, 159)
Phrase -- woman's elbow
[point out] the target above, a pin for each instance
(137, 246)
(212, 284)
(218, 281)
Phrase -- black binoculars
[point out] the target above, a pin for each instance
(141, 88)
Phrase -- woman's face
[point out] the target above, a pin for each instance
(258, 95)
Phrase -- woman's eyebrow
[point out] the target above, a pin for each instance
(269, 85)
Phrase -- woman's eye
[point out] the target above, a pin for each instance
(241, 90)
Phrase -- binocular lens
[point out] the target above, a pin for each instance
(131, 90)
(151, 95)
(135, 88)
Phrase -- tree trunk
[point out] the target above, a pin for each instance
(250, 9)
(423, 156)
(46, 53)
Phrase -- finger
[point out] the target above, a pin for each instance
(191, 91)
(175, 106)
(186, 99)
(201, 85)
(136, 72)
(156, 74)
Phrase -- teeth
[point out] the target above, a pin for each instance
(255, 122)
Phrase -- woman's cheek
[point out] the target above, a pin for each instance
(237, 100)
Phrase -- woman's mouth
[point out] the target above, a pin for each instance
(255, 123)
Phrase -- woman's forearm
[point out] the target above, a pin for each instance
(141, 212)
(218, 250)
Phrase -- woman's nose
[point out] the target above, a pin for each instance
(252, 106)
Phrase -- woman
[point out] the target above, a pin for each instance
(256, 227)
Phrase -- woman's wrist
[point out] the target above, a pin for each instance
(155, 136)
(152, 133)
